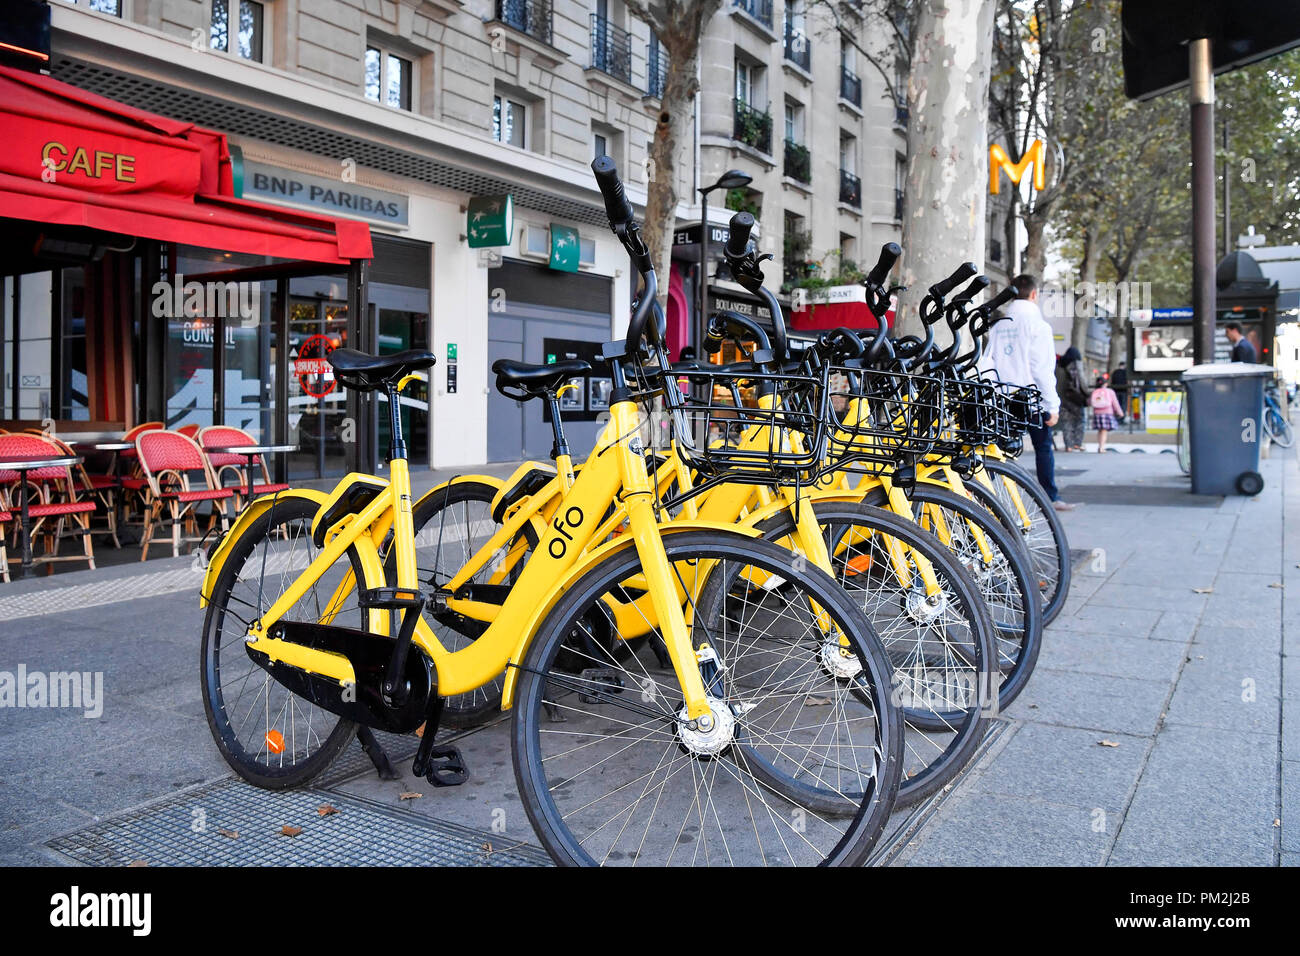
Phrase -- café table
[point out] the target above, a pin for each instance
(250, 454)
(23, 464)
(90, 444)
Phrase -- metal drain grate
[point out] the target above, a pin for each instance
(186, 830)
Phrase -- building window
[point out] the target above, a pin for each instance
(508, 121)
(601, 146)
(111, 7)
(243, 37)
(388, 78)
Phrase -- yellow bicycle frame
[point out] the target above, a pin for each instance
(614, 474)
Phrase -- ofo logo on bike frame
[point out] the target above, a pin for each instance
(214, 299)
(76, 690)
(75, 909)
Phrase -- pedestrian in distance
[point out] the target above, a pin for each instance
(1073, 393)
(1243, 350)
(1105, 410)
(1020, 351)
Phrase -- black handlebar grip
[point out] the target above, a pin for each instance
(978, 285)
(742, 224)
(617, 208)
(889, 254)
(964, 272)
(1001, 299)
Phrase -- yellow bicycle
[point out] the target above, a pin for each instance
(768, 738)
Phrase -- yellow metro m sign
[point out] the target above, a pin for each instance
(1000, 161)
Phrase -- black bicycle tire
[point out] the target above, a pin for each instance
(550, 636)
(240, 552)
(1029, 485)
(950, 763)
(1013, 681)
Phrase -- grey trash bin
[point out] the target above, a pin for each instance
(1225, 414)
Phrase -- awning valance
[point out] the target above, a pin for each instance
(75, 158)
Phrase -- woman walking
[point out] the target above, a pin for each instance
(1074, 397)
(1105, 409)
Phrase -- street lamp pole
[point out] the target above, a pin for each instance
(731, 179)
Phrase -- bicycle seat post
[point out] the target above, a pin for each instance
(396, 441)
(561, 445)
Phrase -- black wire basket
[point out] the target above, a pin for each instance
(734, 424)
(978, 415)
(882, 420)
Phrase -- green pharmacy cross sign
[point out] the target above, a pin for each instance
(489, 221)
(564, 248)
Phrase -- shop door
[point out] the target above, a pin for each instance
(543, 315)
(317, 408)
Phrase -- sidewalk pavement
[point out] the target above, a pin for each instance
(1169, 650)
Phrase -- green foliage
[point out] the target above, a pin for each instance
(745, 199)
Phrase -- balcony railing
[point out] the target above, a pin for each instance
(850, 86)
(611, 49)
(753, 127)
(796, 47)
(898, 205)
(850, 189)
(798, 162)
(656, 70)
(760, 10)
(532, 17)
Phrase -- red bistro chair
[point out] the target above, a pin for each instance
(190, 431)
(168, 459)
(219, 435)
(52, 506)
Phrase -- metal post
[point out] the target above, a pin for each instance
(1227, 195)
(700, 318)
(1203, 290)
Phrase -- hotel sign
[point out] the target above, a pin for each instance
(334, 196)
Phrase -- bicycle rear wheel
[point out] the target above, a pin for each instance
(941, 648)
(624, 779)
(270, 736)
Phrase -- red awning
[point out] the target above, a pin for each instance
(75, 158)
(843, 306)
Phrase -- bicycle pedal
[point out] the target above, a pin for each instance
(600, 675)
(446, 767)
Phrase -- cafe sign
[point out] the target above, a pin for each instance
(489, 221)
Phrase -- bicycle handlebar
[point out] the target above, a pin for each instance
(742, 224)
(964, 272)
(617, 208)
(623, 222)
(889, 254)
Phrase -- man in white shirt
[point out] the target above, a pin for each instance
(1020, 350)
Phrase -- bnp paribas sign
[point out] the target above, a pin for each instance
(489, 221)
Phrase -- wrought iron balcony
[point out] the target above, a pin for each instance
(753, 127)
(532, 17)
(798, 162)
(850, 86)
(796, 47)
(760, 10)
(611, 49)
(850, 189)
(656, 69)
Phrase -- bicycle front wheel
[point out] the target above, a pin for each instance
(1044, 536)
(1278, 428)
(940, 646)
(611, 772)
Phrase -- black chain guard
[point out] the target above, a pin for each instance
(369, 654)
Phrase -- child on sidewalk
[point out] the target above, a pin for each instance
(1105, 409)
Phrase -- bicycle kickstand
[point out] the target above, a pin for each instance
(375, 751)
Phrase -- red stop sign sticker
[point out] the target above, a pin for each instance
(312, 366)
